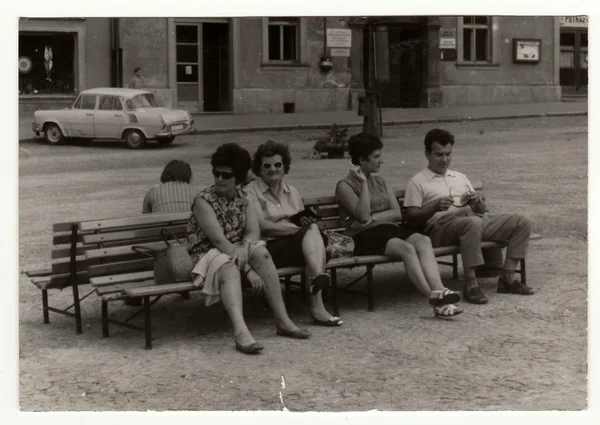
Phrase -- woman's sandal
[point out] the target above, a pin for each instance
(516, 287)
(331, 322)
(443, 296)
(319, 282)
(475, 295)
(297, 334)
(447, 310)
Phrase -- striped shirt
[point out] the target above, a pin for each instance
(169, 197)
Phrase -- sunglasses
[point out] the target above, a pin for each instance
(268, 165)
(223, 174)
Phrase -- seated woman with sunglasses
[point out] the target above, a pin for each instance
(371, 214)
(224, 242)
(289, 244)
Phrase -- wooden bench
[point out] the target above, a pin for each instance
(70, 266)
(99, 253)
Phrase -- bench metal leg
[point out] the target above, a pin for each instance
(303, 286)
(455, 266)
(336, 310)
(78, 327)
(288, 289)
(523, 272)
(370, 289)
(105, 333)
(147, 324)
(45, 306)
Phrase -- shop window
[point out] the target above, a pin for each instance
(476, 40)
(47, 63)
(284, 40)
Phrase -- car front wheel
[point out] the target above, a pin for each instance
(165, 140)
(135, 139)
(53, 134)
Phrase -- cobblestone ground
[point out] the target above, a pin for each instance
(516, 353)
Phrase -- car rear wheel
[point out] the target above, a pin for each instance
(135, 139)
(165, 140)
(53, 134)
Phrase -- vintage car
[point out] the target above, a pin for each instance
(113, 113)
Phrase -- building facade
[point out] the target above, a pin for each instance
(270, 64)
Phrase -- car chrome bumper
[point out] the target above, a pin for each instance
(188, 130)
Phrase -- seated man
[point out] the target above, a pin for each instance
(444, 204)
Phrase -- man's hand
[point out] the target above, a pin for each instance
(255, 281)
(471, 198)
(443, 203)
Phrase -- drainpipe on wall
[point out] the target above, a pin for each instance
(116, 53)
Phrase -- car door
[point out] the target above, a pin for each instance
(80, 118)
(110, 118)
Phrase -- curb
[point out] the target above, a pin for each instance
(387, 123)
(391, 123)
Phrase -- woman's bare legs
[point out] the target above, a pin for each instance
(314, 257)
(402, 250)
(231, 296)
(262, 264)
(427, 259)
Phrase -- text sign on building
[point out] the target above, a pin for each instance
(573, 21)
(448, 39)
(339, 37)
(340, 52)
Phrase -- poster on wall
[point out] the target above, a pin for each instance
(526, 50)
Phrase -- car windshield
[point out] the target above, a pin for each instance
(141, 101)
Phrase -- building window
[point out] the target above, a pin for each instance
(476, 39)
(284, 41)
(47, 63)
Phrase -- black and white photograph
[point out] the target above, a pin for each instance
(292, 212)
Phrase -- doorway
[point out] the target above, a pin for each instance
(574, 61)
(405, 61)
(203, 66)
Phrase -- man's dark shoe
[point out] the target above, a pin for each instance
(475, 295)
(516, 287)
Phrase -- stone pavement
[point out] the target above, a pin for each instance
(223, 123)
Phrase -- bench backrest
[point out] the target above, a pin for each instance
(74, 241)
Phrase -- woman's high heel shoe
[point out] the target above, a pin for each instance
(253, 348)
(297, 334)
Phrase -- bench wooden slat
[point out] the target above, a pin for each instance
(63, 227)
(64, 239)
(161, 289)
(95, 238)
(121, 287)
(63, 265)
(121, 267)
(120, 251)
(38, 272)
(65, 252)
(121, 278)
(59, 281)
(146, 219)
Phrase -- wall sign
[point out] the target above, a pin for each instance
(448, 39)
(527, 50)
(573, 21)
(339, 37)
(340, 52)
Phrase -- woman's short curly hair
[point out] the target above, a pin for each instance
(234, 156)
(271, 148)
(361, 145)
(176, 171)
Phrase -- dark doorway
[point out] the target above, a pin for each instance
(405, 59)
(216, 67)
(574, 61)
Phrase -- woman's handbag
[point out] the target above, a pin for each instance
(339, 245)
(171, 264)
